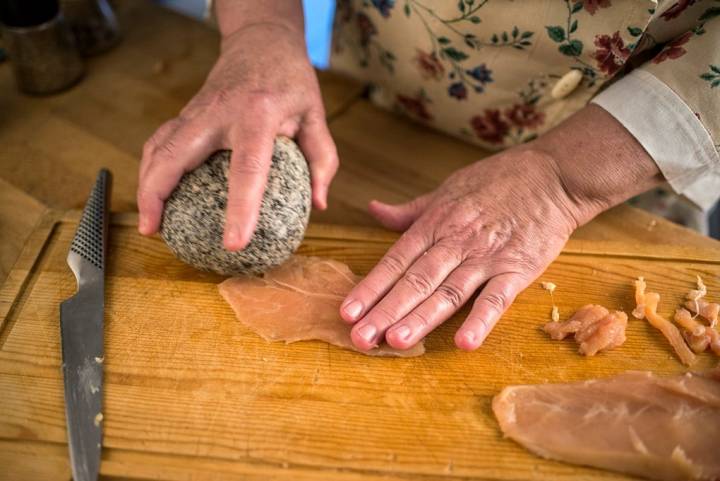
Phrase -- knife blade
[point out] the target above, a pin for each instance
(81, 332)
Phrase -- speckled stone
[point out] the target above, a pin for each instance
(194, 215)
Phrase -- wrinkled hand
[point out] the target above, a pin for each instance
(261, 86)
(498, 222)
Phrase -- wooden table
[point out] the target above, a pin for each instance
(51, 147)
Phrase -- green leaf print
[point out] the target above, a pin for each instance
(572, 48)
(455, 54)
(711, 12)
(713, 76)
(556, 33)
(635, 31)
(577, 6)
(574, 26)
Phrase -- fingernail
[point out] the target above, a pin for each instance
(353, 309)
(470, 337)
(403, 332)
(142, 225)
(367, 332)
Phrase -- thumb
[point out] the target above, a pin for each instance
(401, 216)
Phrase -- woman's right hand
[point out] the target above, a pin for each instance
(261, 86)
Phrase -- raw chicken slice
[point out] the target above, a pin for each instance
(300, 300)
(660, 428)
(595, 328)
(649, 302)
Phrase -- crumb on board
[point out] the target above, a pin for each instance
(550, 287)
(99, 360)
(98, 419)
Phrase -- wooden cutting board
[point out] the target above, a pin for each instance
(192, 394)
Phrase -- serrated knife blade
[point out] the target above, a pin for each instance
(81, 332)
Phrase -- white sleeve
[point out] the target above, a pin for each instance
(669, 131)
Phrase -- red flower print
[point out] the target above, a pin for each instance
(490, 127)
(524, 115)
(366, 27)
(673, 49)
(429, 65)
(415, 105)
(611, 52)
(676, 9)
(592, 5)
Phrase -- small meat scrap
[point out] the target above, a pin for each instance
(708, 310)
(640, 286)
(595, 329)
(550, 287)
(697, 335)
(664, 428)
(649, 301)
(701, 290)
(300, 300)
(700, 306)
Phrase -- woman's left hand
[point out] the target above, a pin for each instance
(497, 223)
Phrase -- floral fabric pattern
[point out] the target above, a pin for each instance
(485, 70)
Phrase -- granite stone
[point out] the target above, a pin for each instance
(194, 215)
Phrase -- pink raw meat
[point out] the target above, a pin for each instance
(300, 300)
(636, 422)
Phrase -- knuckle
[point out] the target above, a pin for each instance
(497, 301)
(452, 295)
(221, 98)
(419, 282)
(166, 151)
(393, 263)
(248, 165)
(421, 320)
(382, 317)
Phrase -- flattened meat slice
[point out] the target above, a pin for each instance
(300, 300)
(660, 428)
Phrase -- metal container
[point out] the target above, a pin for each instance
(93, 23)
(44, 57)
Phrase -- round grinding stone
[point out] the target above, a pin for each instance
(194, 215)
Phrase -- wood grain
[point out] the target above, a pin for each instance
(192, 393)
(19, 213)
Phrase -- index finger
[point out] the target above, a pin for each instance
(252, 149)
(368, 292)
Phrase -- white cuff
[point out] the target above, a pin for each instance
(669, 131)
(208, 10)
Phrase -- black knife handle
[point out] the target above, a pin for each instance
(90, 241)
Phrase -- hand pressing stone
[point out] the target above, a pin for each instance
(194, 215)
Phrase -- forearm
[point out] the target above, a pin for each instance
(233, 15)
(599, 162)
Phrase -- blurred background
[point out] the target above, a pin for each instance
(318, 23)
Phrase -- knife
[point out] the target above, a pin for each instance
(81, 331)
